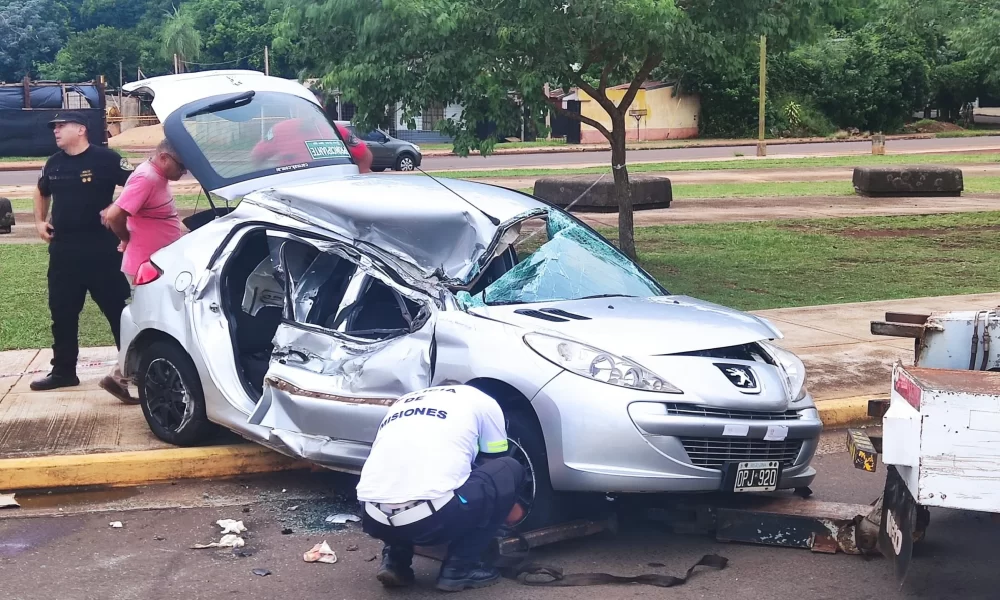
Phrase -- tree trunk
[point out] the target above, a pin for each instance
(623, 192)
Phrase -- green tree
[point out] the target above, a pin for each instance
(490, 55)
(89, 54)
(180, 38)
(232, 30)
(31, 31)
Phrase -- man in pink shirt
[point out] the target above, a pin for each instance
(145, 219)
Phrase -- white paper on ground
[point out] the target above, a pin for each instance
(231, 526)
(736, 430)
(776, 433)
(8, 501)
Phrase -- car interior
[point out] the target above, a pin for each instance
(321, 282)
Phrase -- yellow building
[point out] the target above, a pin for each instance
(655, 114)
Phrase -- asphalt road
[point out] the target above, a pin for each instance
(66, 549)
(575, 159)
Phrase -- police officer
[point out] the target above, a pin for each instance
(78, 182)
(419, 486)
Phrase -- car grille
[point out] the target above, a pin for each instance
(690, 410)
(712, 453)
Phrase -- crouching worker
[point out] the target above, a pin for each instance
(419, 486)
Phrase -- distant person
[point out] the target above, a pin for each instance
(286, 144)
(145, 220)
(78, 182)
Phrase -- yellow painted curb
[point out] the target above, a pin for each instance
(136, 468)
(842, 412)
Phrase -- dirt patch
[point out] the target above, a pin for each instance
(916, 232)
(138, 137)
(929, 126)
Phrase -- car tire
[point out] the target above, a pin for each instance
(171, 396)
(378, 169)
(527, 446)
(406, 162)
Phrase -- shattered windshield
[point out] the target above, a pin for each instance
(556, 258)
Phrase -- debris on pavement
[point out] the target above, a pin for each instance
(342, 519)
(352, 548)
(287, 531)
(321, 553)
(228, 541)
(242, 553)
(231, 526)
(296, 507)
(116, 524)
(8, 501)
(656, 565)
(158, 538)
(374, 557)
(261, 572)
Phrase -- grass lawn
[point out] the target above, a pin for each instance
(974, 185)
(24, 320)
(748, 163)
(744, 265)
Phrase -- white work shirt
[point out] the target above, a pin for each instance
(427, 443)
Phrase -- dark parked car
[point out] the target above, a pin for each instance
(387, 151)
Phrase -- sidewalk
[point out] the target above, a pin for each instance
(83, 436)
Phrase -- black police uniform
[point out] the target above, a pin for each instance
(83, 253)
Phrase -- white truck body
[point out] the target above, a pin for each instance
(942, 433)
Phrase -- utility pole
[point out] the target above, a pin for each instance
(548, 113)
(121, 82)
(761, 144)
(176, 65)
(267, 62)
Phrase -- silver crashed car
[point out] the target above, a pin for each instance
(296, 318)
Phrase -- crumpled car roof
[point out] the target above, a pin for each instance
(442, 227)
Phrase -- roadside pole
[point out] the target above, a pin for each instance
(267, 62)
(761, 144)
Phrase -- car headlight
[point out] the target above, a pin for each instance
(416, 147)
(792, 368)
(596, 364)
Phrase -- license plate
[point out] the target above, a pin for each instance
(756, 476)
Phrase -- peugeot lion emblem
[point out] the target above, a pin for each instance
(741, 376)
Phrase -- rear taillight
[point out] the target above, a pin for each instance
(147, 273)
(906, 387)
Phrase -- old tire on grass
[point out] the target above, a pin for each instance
(592, 193)
(6, 216)
(171, 395)
(908, 181)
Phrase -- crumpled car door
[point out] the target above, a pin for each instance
(334, 372)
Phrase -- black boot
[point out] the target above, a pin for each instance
(456, 576)
(395, 570)
(54, 381)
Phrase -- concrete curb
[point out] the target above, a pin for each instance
(115, 469)
(120, 469)
(845, 412)
(681, 145)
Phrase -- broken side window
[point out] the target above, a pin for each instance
(560, 259)
(377, 311)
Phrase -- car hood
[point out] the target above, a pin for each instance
(634, 327)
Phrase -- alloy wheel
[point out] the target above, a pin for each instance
(406, 164)
(167, 398)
